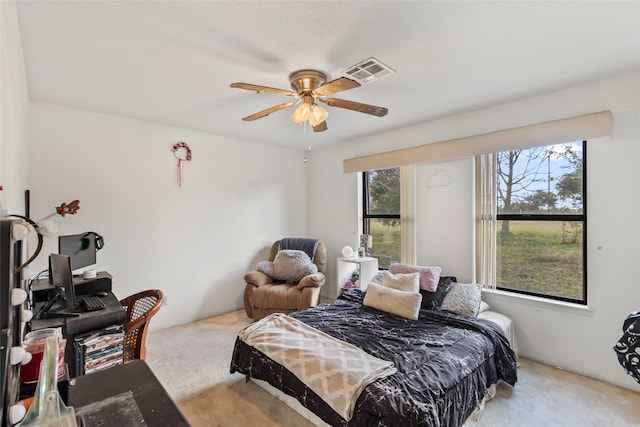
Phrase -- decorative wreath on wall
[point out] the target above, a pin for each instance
(181, 147)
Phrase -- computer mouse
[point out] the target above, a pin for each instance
(101, 294)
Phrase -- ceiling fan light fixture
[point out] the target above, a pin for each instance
(318, 115)
(302, 113)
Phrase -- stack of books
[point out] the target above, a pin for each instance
(99, 350)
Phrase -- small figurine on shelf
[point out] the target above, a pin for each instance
(355, 279)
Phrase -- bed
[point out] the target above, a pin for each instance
(445, 363)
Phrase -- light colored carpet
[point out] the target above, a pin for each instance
(192, 362)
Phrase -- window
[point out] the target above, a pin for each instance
(381, 214)
(539, 230)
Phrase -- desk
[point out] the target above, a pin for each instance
(43, 290)
(153, 401)
(113, 314)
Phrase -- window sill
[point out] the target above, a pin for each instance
(533, 301)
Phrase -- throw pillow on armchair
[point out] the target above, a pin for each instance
(288, 265)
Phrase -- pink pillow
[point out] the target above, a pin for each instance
(429, 276)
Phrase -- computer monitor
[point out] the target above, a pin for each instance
(62, 278)
(80, 248)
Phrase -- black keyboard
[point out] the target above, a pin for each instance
(92, 303)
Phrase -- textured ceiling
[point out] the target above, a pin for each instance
(171, 62)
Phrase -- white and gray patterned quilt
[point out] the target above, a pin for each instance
(337, 371)
(445, 364)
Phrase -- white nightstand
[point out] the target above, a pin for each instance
(367, 266)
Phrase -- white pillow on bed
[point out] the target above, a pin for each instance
(463, 299)
(408, 282)
(400, 303)
(484, 307)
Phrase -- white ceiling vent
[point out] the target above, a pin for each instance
(368, 71)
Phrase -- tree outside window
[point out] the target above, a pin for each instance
(381, 218)
(540, 241)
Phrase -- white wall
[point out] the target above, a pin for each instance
(579, 340)
(14, 101)
(439, 187)
(194, 242)
(333, 209)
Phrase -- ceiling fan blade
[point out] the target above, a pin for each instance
(320, 127)
(335, 86)
(357, 106)
(259, 88)
(264, 113)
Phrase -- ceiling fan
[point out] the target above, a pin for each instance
(311, 86)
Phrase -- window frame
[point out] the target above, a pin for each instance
(557, 217)
(366, 215)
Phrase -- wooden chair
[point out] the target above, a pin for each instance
(140, 308)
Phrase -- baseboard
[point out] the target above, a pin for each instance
(614, 381)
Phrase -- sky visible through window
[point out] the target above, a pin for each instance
(541, 169)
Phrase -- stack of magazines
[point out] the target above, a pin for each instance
(99, 350)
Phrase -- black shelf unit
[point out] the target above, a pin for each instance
(10, 316)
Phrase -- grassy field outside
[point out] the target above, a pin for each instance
(541, 257)
(386, 242)
(537, 257)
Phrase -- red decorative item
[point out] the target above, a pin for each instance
(177, 146)
(70, 208)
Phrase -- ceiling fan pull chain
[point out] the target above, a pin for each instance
(304, 139)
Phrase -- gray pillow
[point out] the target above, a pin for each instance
(463, 299)
(288, 265)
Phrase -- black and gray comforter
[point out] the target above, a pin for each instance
(445, 364)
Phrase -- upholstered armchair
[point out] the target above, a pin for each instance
(264, 294)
